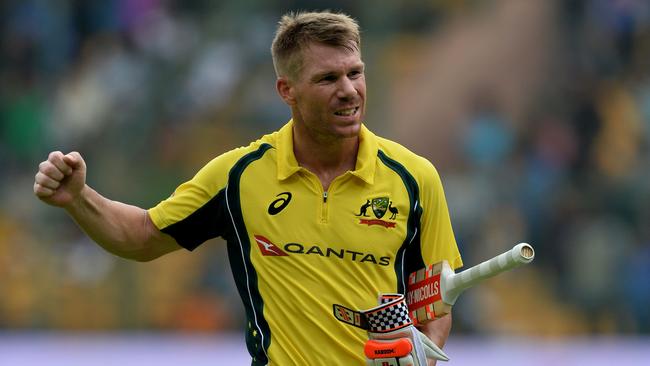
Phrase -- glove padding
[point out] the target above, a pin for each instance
(393, 340)
(404, 347)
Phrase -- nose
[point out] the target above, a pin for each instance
(346, 89)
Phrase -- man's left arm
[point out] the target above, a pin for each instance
(438, 243)
(438, 331)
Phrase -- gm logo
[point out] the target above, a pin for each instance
(279, 204)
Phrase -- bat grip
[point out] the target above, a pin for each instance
(455, 283)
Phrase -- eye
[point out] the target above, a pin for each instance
(328, 78)
(355, 74)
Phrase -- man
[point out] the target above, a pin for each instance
(287, 206)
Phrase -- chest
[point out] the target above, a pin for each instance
(352, 219)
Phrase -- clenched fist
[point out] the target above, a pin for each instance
(60, 179)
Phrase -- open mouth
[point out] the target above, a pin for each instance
(347, 112)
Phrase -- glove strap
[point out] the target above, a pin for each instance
(392, 314)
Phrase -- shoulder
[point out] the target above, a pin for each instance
(419, 167)
(230, 158)
(216, 171)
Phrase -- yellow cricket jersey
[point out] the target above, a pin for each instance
(296, 250)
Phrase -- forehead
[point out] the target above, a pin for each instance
(319, 58)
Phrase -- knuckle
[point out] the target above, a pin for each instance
(51, 172)
(75, 155)
(39, 190)
(47, 169)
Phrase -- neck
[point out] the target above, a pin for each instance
(326, 157)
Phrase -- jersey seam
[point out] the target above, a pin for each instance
(413, 221)
(242, 239)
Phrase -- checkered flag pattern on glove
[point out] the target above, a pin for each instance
(393, 340)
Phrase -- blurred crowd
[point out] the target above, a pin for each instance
(537, 115)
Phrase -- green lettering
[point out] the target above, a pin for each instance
(354, 254)
(369, 258)
(339, 254)
(294, 248)
(315, 249)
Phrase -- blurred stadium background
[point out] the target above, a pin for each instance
(536, 113)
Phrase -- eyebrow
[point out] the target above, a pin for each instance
(323, 74)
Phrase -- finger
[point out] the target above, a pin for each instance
(57, 158)
(42, 192)
(73, 159)
(47, 181)
(50, 170)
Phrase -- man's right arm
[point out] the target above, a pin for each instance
(122, 229)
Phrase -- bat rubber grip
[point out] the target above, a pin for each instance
(454, 283)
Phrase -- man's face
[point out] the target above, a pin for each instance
(328, 94)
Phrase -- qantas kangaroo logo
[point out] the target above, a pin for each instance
(268, 248)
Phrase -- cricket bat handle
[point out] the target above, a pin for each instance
(452, 284)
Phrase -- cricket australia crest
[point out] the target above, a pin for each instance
(379, 206)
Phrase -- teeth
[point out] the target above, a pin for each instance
(346, 112)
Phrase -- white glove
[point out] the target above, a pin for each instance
(403, 347)
(393, 340)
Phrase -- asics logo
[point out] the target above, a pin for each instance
(279, 204)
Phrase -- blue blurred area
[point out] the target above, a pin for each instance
(536, 113)
(132, 349)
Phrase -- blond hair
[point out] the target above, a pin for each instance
(296, 31)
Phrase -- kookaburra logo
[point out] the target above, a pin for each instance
(379, 206)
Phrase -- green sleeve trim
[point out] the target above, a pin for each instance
(409, 256)
(258, 332)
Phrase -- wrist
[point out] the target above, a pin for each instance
(78, 202)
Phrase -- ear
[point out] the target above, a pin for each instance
(285, 89)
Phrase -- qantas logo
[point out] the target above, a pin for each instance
(268, 249)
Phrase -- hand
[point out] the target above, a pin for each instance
(60, 179)
(393, 339)
(404, 347)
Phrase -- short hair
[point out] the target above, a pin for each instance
(296, 31)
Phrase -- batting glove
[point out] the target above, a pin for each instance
(393, 340)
